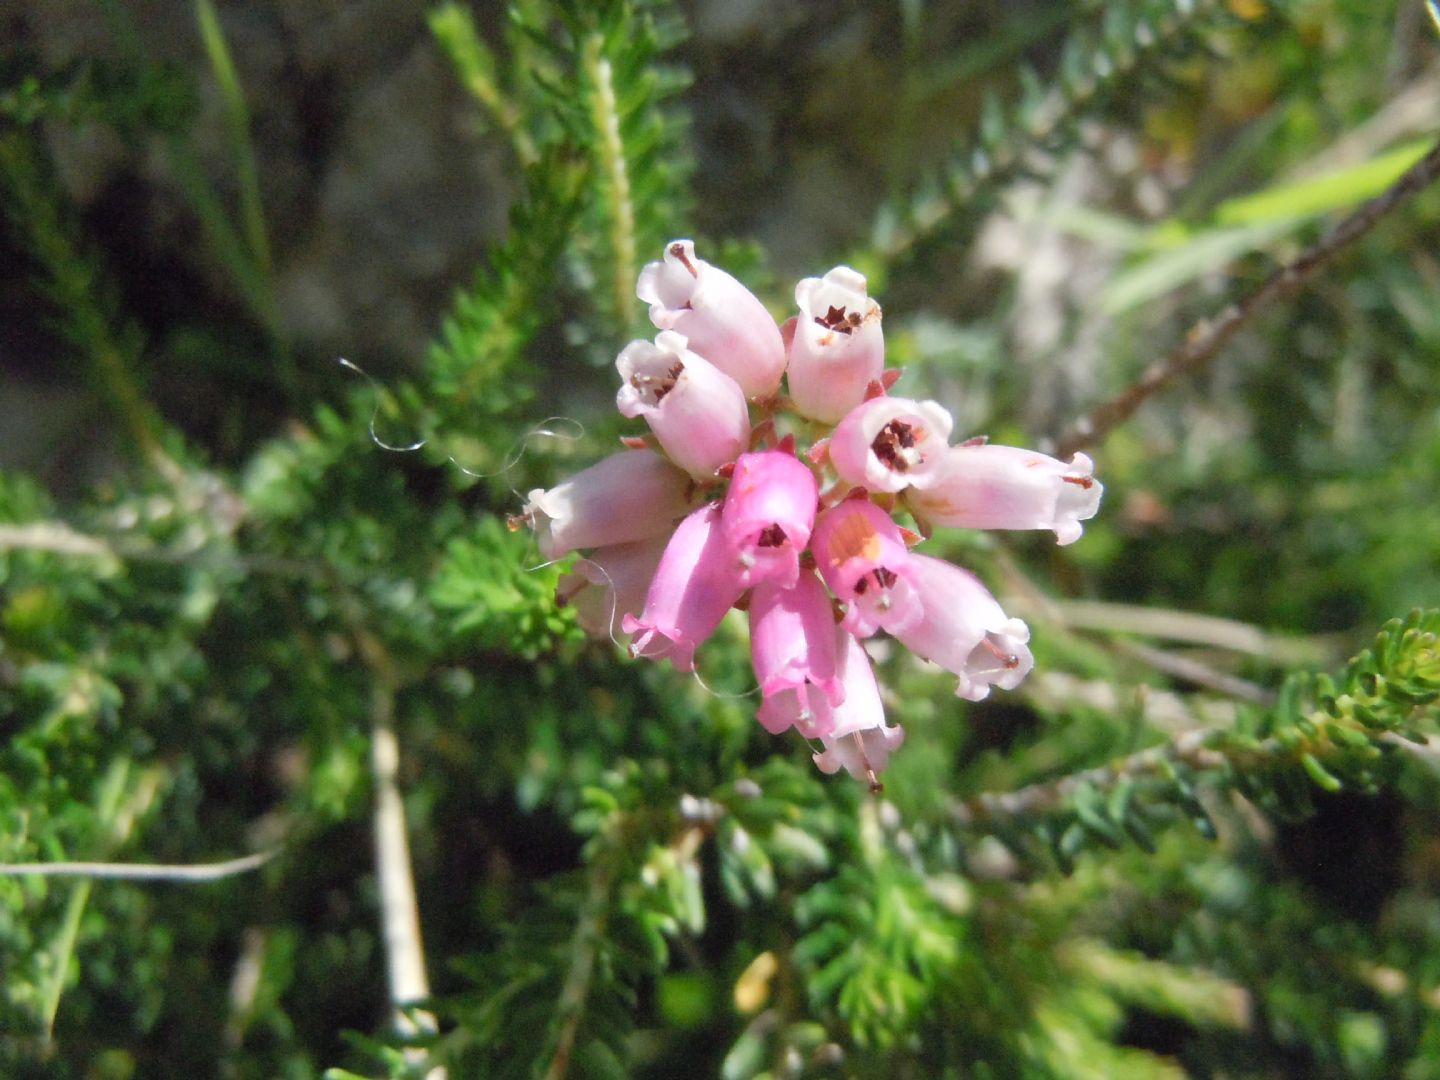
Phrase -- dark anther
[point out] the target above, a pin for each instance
(837, 319)
(894, 438)
(772, 537)
(663, 387)
(1086, 482)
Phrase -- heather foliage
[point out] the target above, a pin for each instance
(252, 603)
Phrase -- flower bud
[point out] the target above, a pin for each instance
(862, 557)
(696, 584)
(964, 630)
(697, 412)
(890, 443)
(627, 496)
(837, 348)
(858, 739)
(792, 645)
(722, 319)
(610, 583)
(768, 513)
(1004, 487)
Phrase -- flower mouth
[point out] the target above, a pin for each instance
(897, 446)
(882, 577)
(653, 388)
(772, 537)
(840, 320)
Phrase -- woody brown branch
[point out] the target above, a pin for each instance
(1205, 340)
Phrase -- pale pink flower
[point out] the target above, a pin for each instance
(610, 583)
(890, 443)
(696, 584)
(627, 496)
(857, 738)
(723, 320)
(964, 629)
(697, 412)
(1004, 487)
(792, 645)
(837, 348)
(768, 513)
(861, 554)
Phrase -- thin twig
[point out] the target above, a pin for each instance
(1187, 748)
(586, 941)
(186, 872)
(406, 975)
(1192, 670)
(399, 909)
(1208, 337)
(60, 539)
(1191, 627)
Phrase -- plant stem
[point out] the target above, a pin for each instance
(605, 113)
(584, 943)
(192, 872)
(1209, 336)
(117, 814)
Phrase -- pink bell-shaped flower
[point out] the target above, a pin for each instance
(890, 443)
(1003, 487)
(857, 738)
(610, 583)
(768, 513)
(792, 644)
(964, 629)
(697, 582)
(837, 348)
(861, 554)
(627, 496)
(724, 321)
(697, 412)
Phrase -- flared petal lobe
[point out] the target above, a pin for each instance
(1004, 487)
(696, 583)
(837, 348)
(627, 496)
(723, 320)
(697, 412)
(857, 738)
(964, 630)
(792, 645)
(861, 554)
(769, 511)
(610, 583)
(890, 443)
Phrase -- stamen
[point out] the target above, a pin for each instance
(1086, 482)
(516, 522)
(658, 385)
(839, 320)
(1009, 661)
(772, 537)
(876, 787)
(678, 250)
(895, 446)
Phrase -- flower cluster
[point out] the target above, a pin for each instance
(717, 508)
